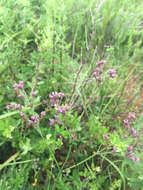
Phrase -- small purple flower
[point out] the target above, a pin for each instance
(33, 94)
(134, 132)
(55, 97)
(44, 101)
(33, 117)
(126, 136)
(18, 106)
(98, 78)
(7, 107)
(112, 73)
(62, 110)
(21, 84)
(130, 148)
(99, 63)
(61, 94)
(22, 114)
(53, 121)
(11, 106)
(52, 102)
(98, 70)
(132, 158)
(131, 116)
(43, 113)
(114, 150)
(106, 137)
(74, 138)
(16, 86)
(30, 122)
(129, 155)
(127, 124)
(36, 160)
(137, 159)
(20, 96)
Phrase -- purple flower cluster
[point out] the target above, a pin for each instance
(131, 117)
(131, 155)
(31, 120)
(98, 70)
(35, 119)
(13, 106)
(55, 100)
(62, 110)
(55, 97)
(59, 110)
(127, 124)
(112, 73)
(133, 132)
(53, 121)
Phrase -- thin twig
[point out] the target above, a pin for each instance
(76, 79)
(37, 73)
(12, 78)
(74, 42)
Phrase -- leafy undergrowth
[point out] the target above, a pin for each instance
(71, 95)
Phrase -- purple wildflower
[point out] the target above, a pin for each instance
(112, 73)
(99, 63)
(98, 78)
(22, 114)
(106, 137)
(53, 121)
(33, 94)
(21, 84)
(44, 101)
(137, 159)
(20, 96)
(114, 150)
(43, 113)
(131, 116)
(16, 86)
(127, 124)
(18, 106)
(62, 110)
(55, 97)
(126, 136)
(130, 148)
(36, 160)
(134, 132)
(74, 138)
(30, 122)
(7, 107)
(33, 117)
(98, 70)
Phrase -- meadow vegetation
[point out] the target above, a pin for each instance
(71, 94)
